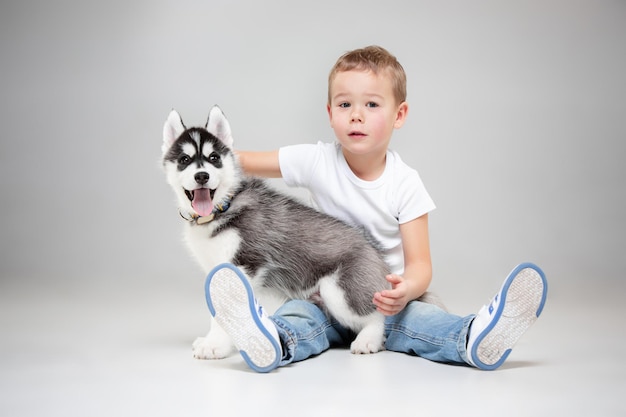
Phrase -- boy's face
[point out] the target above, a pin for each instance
(363, 111)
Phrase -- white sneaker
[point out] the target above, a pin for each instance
(498, 326)
(232, 303)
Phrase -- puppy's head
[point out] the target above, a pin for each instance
(199, 162)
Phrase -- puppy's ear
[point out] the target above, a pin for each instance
(172, 129)
(219, 126)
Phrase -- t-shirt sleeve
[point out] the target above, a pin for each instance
(413, 198)
(297, 163)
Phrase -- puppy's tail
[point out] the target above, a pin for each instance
(432, 298)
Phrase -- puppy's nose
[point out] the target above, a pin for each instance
(202, 177)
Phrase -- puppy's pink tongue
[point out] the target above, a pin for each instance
(202, 203)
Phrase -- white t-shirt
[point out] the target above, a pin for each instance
(397, 196)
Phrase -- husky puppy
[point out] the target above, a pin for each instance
(286, 249)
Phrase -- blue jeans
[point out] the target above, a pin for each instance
(420, 329)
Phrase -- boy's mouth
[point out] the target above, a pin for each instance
(356, 134)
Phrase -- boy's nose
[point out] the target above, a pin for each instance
(356, 117)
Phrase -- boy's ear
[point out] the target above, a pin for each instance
(218, 125)
(330, 114)
(172, 129)
(403, 111)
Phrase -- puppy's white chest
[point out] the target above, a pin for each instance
(212, 251)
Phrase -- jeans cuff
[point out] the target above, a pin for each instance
(463, 336)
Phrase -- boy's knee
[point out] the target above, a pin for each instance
(299, 308)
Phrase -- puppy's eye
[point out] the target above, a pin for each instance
(184, 159)
(214, 157)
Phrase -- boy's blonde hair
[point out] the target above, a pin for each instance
(376, 59)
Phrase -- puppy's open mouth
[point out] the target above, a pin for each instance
(201, 200)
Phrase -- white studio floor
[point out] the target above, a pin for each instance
(91, 349)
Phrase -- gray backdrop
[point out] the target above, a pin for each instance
(516, 124)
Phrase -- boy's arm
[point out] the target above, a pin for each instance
(262, 164)
(417, 269)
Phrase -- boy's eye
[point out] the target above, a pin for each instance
(344, 105)
(372, 104)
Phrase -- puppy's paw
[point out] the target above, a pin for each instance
(368, 342)
(211, 348)
(364, 347)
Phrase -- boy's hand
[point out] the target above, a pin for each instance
(390, 302)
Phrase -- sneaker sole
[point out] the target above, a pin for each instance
(522, 298)
(231, 301)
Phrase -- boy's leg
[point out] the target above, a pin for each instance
(297, 331)
(484, 340)
(305, 331)
(499, 325)
(428, 331)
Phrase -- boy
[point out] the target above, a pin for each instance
(361, 181)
